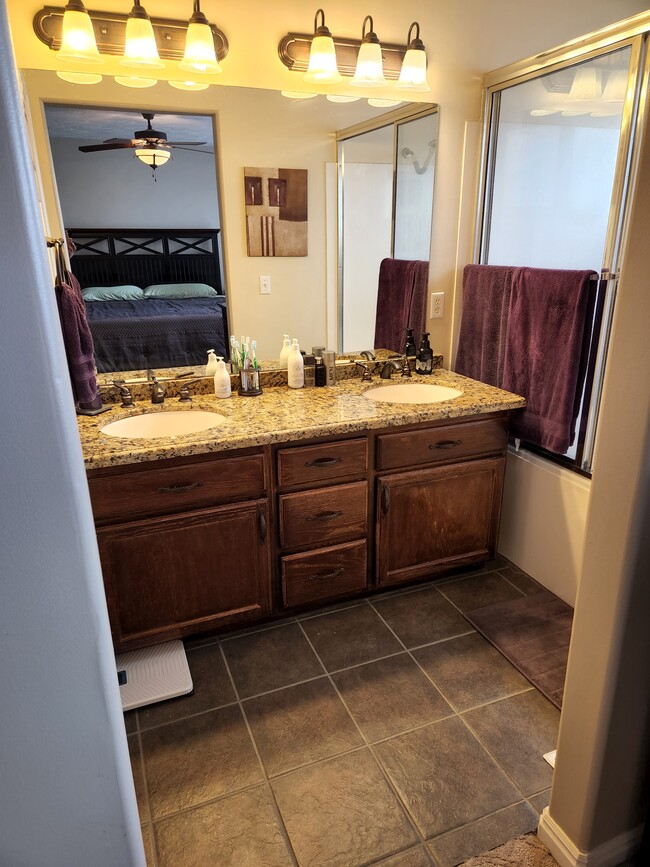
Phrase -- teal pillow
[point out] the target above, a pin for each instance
(180, 290)
(112, 293)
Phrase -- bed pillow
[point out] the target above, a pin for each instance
(180, 290)
(112, 293)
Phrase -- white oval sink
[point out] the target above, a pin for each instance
(163, 424)
(412, 392)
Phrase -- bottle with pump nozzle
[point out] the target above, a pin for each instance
(410, 350)
(222, 386)
(295, 367)
(211, 366)
(424, 358)
(286, 349)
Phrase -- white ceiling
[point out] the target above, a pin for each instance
(95, 125)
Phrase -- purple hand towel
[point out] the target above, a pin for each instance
(545, 349)
(401, 301)
(78, 341)
(481, 343)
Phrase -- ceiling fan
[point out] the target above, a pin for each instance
(150, 145)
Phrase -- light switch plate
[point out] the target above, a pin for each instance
(437, 310)
(265, 285)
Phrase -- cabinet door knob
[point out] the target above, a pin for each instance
(262, 518)
(326, 576)
(323, 462)
(385, 500)
(325, 516)
(179, 489)
(446, 444)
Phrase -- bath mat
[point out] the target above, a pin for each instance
(533, 632)
(527, 851)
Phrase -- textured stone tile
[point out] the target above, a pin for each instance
(270, 659)
(212, 689)
(445, 777)
(327, 609)
(518, 731)
(485, 834)
(147, 839)
(541, 800)
(138, 777)
(411, 858)
(390, 696)
(472, 593)
(521, 580)
(350, 637)
(342, 812)
(300, 724)
(470, 671)
(241, 830)
(131, 721)
(197, 759)
(421, 617)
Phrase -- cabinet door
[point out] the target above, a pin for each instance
(167, 577)
(430, 520)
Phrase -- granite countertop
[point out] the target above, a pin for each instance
(282, 414)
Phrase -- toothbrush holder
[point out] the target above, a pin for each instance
(249, 383)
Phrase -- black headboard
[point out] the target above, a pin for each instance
(142, 257)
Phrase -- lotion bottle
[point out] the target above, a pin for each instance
(211, 366)
(296, 367)
(286, 349)
(222, 380)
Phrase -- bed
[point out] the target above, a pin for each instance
(141, 332)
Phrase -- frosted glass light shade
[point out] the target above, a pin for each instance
(322, 67)
(383, 103)
(153, 157)
(370, 70)
(135, 81)
(140, 49)
(586, 84)
(189, 85)
(79, 77)
(297, 94)
(78, 43)
(341, 97)
(199, 54)
(413, 75)
(616, 86)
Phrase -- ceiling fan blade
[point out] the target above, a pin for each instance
(88, 149)
(191, 150)
(118, 141)
(184, 143)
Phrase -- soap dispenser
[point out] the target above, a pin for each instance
(286, 349)
(296, 367)
(222, 386)
(410, 350)
(424, 359)
(211, 366)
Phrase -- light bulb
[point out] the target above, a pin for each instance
(153, 156)
(616, 86)
(78, 43)
(140, 49)
(322, 67)
(370, 69)
(199, 55)
(413, 74)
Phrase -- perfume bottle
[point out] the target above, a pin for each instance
(424, 357)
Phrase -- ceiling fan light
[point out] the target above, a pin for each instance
(370, 70)
(79, 77)
(413, 74)
(135, 81)
(199, 55)
(78, 44)
(190, 85)
(140, 49)
(153, 156)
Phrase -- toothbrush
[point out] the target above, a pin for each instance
(254, 348)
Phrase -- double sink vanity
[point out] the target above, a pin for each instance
(221, 513)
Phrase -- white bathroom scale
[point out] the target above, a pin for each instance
(153, 674)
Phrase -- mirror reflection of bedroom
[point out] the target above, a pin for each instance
(147, 237)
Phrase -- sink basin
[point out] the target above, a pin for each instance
(163, 424)
(411, 392)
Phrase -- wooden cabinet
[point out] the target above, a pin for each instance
(435, 519)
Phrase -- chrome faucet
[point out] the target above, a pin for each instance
(157, 391)
(401, 364)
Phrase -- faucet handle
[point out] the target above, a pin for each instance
(406, 369)
(367, 375)
(125, 393)
(184, 393)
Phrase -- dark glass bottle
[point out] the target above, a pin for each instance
(410, 350)
(321, 374)
(424, 358)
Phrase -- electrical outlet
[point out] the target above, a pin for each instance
(437, 305)
(265, 285)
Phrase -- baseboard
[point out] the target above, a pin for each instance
(567, 854)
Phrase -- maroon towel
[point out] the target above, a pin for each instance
(78, 343)
(481, 343)
(545, 349)
(401, 301)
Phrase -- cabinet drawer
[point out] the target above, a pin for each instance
(445, 443)
(166, 490)
(324, 574)
(322, 516)
(306, 464)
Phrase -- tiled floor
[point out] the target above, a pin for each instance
(385, 731)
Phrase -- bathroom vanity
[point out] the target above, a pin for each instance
(332, 496)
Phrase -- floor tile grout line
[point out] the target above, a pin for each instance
(170, 722)
(407, 815)
(192, 808)
(518, 589)
(264, 627)
(145, 784)
(432, 840)
(412, 847)
(274, 804)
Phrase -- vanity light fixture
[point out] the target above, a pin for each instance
(413, 75)
(586, 84)
(616, 86)
(370, 69)
(199, 53)
(140, 49)
(383, 103)
(322, 67)
(78, 44)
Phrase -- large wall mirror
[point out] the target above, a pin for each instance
(202, 188)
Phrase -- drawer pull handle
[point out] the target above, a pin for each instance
(325, 516)
(446, 444)
(326, 576)
(323, 462)
(179, 489)
(385, 500)
(262, 518)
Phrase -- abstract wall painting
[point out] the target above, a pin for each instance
(276, 211)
